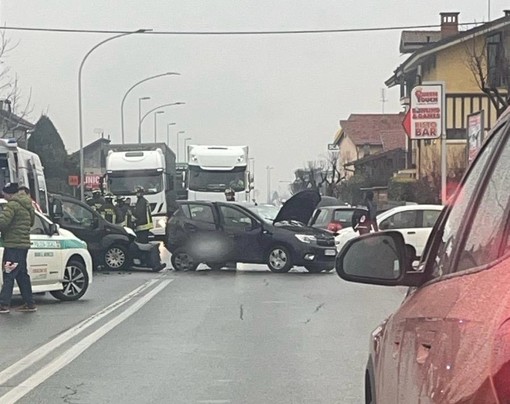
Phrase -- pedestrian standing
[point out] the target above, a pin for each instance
(97, 201)
(108, 210)
(364, 218)
(143, 217)
(230, 195)
(16, 219)
(125, 214)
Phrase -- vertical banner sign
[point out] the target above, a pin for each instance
(475, 127)
(426, 111)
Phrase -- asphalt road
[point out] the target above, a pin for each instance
(245, 336)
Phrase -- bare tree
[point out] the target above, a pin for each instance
(492, 77)
(323, 174)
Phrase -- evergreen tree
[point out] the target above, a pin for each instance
(47, 143)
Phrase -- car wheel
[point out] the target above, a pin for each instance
(315, 270)
(115, 257)
(278, 260)
(183, 261)
(216, 266)
(75, 282)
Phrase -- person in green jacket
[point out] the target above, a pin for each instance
(16, 219)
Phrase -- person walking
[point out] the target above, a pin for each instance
(16, 219)
(372, 210)
(143, 217)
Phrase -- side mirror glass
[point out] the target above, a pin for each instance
(377, 258)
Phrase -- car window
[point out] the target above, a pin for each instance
(38, 227)
(201, 213)
(76, 215)
(320, 217)
(185, 211)
(343, 216)
(452, 228)
(483, 244)
(232, 217)
(430, 217)
(401, 220)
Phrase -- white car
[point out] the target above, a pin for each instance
(58, 261)
(415, 222)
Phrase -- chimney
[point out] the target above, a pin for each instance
(449, 24)
(507, 13)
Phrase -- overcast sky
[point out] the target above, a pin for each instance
(281, 95)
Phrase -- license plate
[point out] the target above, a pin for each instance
(330, 253)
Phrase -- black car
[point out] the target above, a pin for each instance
(111, 246)
(216, 233)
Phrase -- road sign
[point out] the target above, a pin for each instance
(73, 180)
(333, 147)
(406, 123)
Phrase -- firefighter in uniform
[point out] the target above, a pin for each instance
(143, 217)
(97, 201)
(109, 211)
(125, 214)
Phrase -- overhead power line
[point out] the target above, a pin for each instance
(210, 33)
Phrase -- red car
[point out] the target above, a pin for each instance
(449, 341)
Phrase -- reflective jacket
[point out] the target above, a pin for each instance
(109, 212)
(143, 215)
(126, 218)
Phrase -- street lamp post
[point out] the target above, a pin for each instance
(140, 117)
(155, 109)
(181, 132)
(251, 178)
(156, 124)
(186, 149)
(80, 109)
(268, 168)
(168, 132)
(130, 89)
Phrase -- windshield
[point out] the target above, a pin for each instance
(216, 181)
(266, 212)
(125, 182)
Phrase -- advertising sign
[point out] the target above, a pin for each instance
(92, 181)
(475, 127)
(426, 111)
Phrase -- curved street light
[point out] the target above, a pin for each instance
(80, 113)
(131, 88)
(154, 109)
(168, 132)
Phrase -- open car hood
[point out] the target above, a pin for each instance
(300, 207)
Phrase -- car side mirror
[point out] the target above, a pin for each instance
(54, 229)
(378, 259)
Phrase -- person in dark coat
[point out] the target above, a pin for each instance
(143, 217)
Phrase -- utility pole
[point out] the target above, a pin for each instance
(383, 98)
(268, 168)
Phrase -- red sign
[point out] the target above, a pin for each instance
(427, 112)
(92, 181)
(73, 180)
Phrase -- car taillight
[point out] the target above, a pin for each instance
(334, 226)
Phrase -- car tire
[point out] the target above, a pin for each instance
(115, 257)
(315, 270)
(279, 260)
(75, 282)
(183, 261)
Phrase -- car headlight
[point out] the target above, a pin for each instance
(130, 231)
(305, 238)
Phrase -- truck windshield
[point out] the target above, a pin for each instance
(126, 182)
(216, 181)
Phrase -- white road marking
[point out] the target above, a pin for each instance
(47, 348)
(76, 350)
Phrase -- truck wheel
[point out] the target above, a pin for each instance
(115, 257)
(183, 261)
(279, 260)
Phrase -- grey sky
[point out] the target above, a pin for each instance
(281, 95)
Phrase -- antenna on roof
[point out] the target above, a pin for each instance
(488, 10)
(383, 98)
